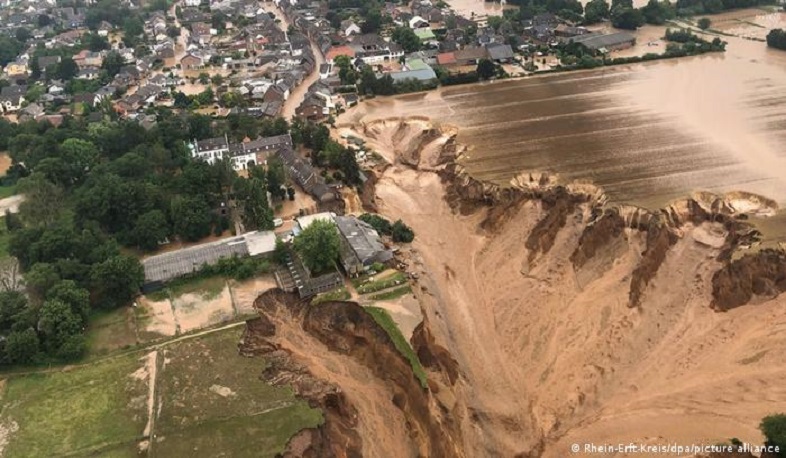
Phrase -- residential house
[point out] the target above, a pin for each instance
(11, 98)
(88, 73)
(470, 55)
(191, 62)
(241, 154)
(349, 28)
(372, 49)
(361, 245)
(336, 51)
(499, 52)
(306, 176)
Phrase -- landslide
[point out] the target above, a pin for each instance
(573, 320)
(337, 357)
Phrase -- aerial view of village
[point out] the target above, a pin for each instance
(405, 228)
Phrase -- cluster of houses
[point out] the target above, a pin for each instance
(249, 153)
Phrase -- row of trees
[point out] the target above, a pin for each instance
(398, 231)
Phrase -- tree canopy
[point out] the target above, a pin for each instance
(318, 246)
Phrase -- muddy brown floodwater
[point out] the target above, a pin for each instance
(645, 133)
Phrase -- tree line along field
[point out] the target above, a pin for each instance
(206, 399)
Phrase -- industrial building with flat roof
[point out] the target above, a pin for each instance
(164, 267)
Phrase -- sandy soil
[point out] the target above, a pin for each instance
(11, 203)
(547, 362)
(379, 422)
(195, 310)
(148, 373)
(159, 318)
(291, 208)
(245, 293)
(5, 163)
(405, 312)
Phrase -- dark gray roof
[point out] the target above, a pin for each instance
(363, 240)
(499, 51)
(167, 266)
(597, 40)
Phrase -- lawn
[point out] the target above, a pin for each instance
(340, 294)
(383, 319)
(209, 287)
(109, 330)
(391, 294)
(7, 191)
(215, 403)
(97, 409)
(367, 285)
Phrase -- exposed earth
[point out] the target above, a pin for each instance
(550, 318)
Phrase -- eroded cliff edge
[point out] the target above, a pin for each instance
(551, 317)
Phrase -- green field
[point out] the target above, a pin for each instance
(210, 287)
(7, 191)
(92, 409)
(391, 294)
(210, 402)
(339, 294)
(110, 330)
(365, 286)
(214, 401)
(383, 319)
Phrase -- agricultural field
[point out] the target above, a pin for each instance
(195, 396)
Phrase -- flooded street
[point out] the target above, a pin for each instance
(646, 133)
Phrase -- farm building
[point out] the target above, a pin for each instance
(360, 245)
(606, 42)
(165, 267)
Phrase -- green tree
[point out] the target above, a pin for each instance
(112, 63)
(657, 12)
(774, 429)
(68, 292)
(66, 69)
(281, 253)
(96, 42)
(191, 217)
(21, 347)
(256, 212)
(407, 38)
(41, 278)
(275, 178)
(776, 38)
(596, 11)
(116, 281)
(486, 69)
(217, 79)
(80, 156)
(402, 233)
(626, 18)
(203, 78)
(151, 228)
(380, 224)
(318, 246)
(12, 305)
(704, 23)
(57, 323)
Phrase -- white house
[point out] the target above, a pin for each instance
(11, 98)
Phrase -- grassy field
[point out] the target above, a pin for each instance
(98, 409)
(340, 294)
(214, 403)
(367, 285)
(110, 330)
(391, 294)
(210, 402)
(7, 191)
(382, 318)
(209, 287)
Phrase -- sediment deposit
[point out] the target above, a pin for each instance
(552, 317)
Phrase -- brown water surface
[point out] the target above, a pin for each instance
(646, 133)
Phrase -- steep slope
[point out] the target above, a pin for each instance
(575, 321)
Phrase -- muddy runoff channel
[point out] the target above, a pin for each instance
(551, 318)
